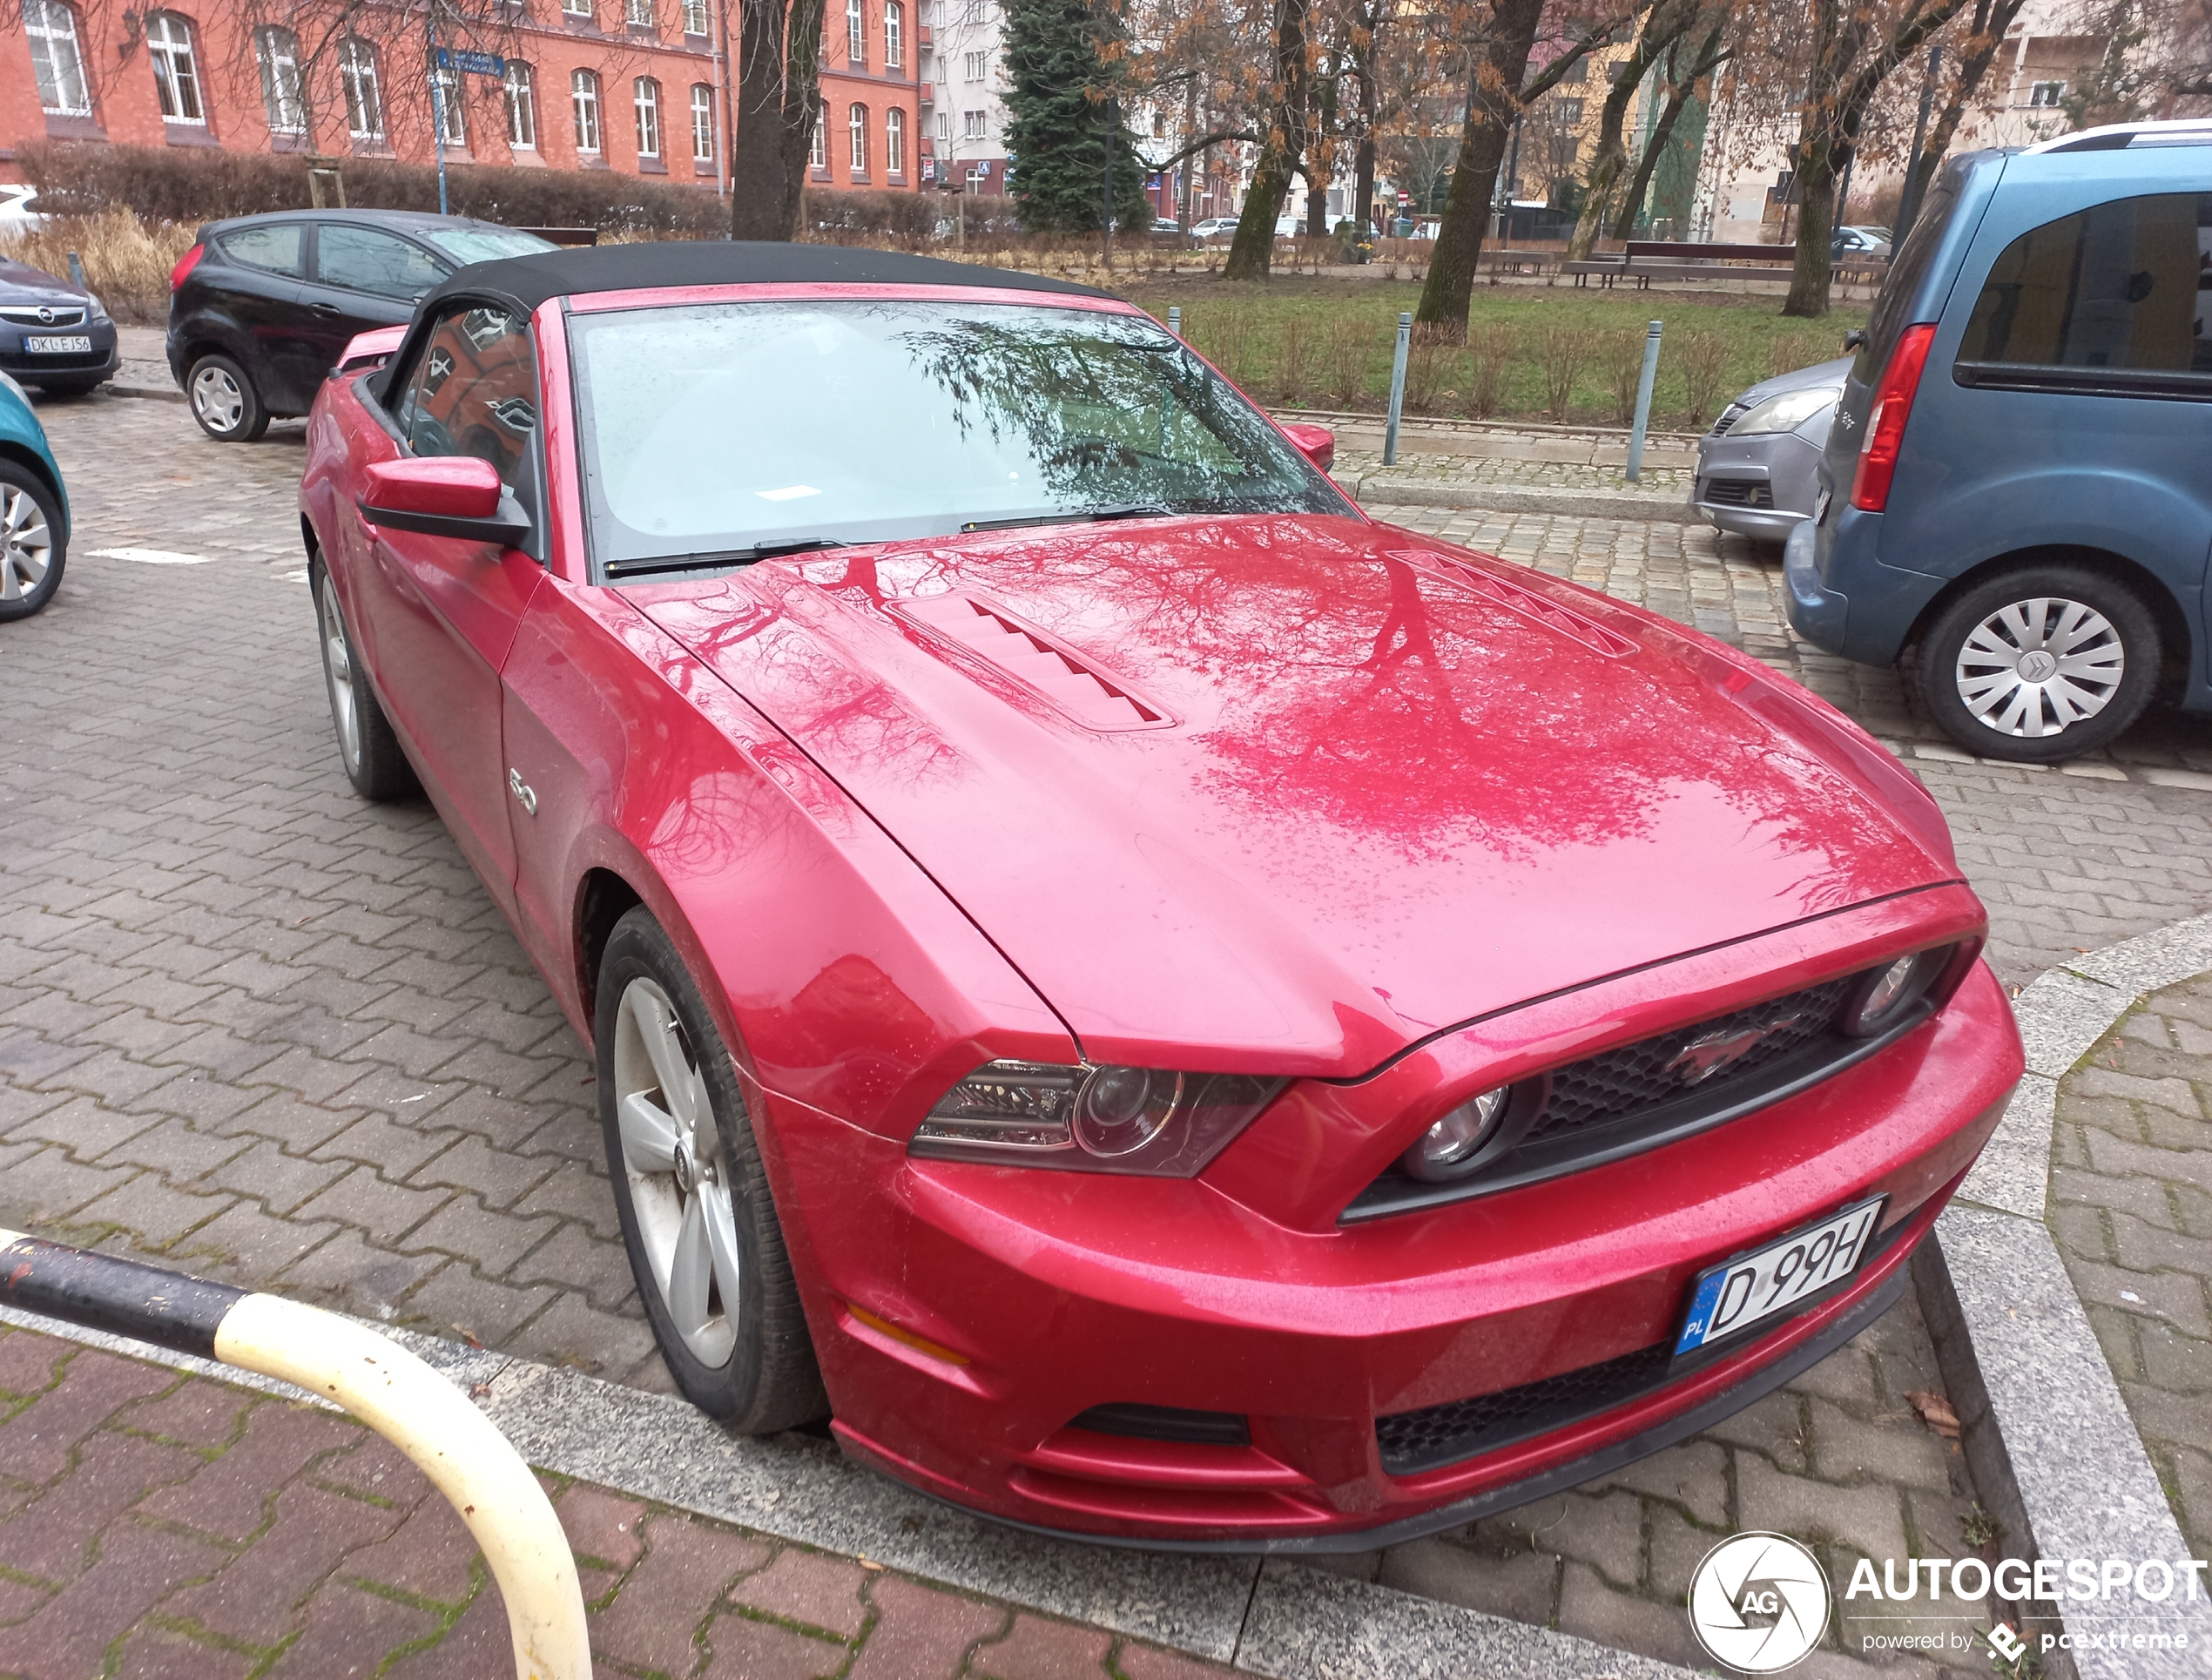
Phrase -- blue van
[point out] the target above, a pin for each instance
(2016, 499)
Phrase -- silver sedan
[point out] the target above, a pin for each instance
(1756, 468)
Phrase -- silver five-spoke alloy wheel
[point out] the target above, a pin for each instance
(2036, 667)
(338, 663)
(673, 1155)
(217, 399)
(26, 544)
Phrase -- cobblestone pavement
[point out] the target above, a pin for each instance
(2131, 1206)
(160, 1527)
(1352, 465)
(256, 1028)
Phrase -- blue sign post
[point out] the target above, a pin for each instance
(471, 63)
(467, 63)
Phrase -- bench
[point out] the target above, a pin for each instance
(1496, 260)
(1645, 260)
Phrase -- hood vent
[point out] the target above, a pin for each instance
(1058, 673)
(1553, 615)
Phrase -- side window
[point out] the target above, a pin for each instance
(278, 247)
(2115, 286)
(474, 392)
(362, 259)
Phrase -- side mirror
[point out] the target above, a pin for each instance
(1316, 443)
(444, 496)
(1856, 338)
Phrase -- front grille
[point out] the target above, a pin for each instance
(1414, 1441)
(1437, 1435)
(1738, 493)
(1638, 1096)
(1617, 1085)
(62, 317)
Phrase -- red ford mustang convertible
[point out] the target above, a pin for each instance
(1170, 1011)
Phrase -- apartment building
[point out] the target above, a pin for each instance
(634, 86)
(963, 97)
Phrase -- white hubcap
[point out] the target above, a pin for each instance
(26, 545)
(338, 667)
(671, 1153)
(217, 399)
(2040, 666)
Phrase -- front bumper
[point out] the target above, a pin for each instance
(101, 361)
(964, 1315)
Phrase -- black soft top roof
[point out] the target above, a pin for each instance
(530, 281)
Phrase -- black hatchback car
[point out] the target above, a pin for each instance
(261, 306)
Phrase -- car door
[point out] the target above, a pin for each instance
(263, 279)
(361, 277)
(443, 611)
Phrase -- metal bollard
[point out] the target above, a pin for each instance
(1643, 400)
(1398, 386)
(1175, 319)
(377, 1381)
(77, 272)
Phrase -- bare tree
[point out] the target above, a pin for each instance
(1663, 27)
(1689, 66)
(777, 71)
(1282, 147)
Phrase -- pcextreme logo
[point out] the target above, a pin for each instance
(1759, 1603)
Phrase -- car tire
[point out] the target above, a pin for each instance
(697, 1215)
(1991, 682)
(224, 401)
(34, 541)
(367, 746)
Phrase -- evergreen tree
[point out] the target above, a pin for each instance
(1057, 128)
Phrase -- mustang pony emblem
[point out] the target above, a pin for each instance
(1702, 1058)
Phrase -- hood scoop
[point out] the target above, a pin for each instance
(976, 631)
(1555, 616)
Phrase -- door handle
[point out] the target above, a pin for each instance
(522, 792)
(326, 309)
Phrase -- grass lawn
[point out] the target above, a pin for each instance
(1556, 354)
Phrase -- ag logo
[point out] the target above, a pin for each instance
(1758, 1602)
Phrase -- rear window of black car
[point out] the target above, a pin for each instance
(278, 246)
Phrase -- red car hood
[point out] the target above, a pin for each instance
(1288, 794)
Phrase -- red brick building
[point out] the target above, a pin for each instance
(631, 85)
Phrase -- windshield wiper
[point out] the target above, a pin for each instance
(743, 557)
(1084, 515)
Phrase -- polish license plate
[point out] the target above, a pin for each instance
(59, 344)
(1769, 1282)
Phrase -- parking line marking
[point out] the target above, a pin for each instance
(152, 556)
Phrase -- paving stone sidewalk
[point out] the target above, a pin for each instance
(2131, 1206)
(155, 1526)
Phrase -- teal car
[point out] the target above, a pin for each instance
(34, 509)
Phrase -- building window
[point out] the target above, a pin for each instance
(584, 95)
(895, 29)
(972, 66)
(945, 126)
(56, 58)
(894, 141)
(819, 158)
(701, 123)
(522, 106)
(694, 18)
(277, 52)
(972, 126)
(175, 78)
(858, 124)
(1570, 112)
(576, 8)
(639, 14)
(453, 126)
(856, 33)
(364, 101)
(645, 93)
(2046, 93)
(973, 12)
(1159, 126)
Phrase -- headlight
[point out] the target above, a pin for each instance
(1884, 996)
(1092, 1119)
(99, 310)
(1785, 412)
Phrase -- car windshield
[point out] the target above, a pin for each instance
(467, 245)
(728, 429)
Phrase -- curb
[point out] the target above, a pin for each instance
(152, 392)
(2046, 1434)
(1516, 498)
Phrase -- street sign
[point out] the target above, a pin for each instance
(473, 63)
